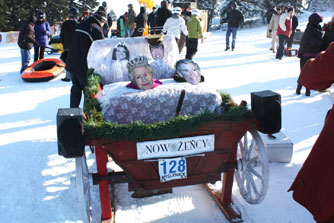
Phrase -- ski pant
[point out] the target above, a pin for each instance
(290, 39)
(191, 45)
(25, 59)
(79, 82)
(39, 52)
(230, 30)
(274, 39)
(280, 50)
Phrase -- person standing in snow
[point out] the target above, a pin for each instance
(163, 14)
(130, 21)
(194, 33)
(284, 31)
(329, 34)
(85, 33)
(294, 27)
(26, 40)
(152, 20)
(310, 45)
(272, 28)
(42, 32)
(141, 21)
(66, 36)
(234, 19)
(175, 25)
(314, 183)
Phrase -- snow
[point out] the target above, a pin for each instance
(37, 185)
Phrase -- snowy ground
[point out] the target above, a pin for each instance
(37, 184)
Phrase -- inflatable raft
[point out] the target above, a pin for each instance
(43, 70)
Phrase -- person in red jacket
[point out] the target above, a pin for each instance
(314, 184)
(284, 30)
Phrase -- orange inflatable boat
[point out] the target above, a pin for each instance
(43, 70)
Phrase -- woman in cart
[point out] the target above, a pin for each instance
(313, 186)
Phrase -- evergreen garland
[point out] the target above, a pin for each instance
(95, 127)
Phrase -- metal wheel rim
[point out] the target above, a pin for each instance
(83, 184)
(252, 174)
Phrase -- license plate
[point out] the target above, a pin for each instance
(171, 169)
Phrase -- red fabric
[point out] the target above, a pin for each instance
(314, 185)
(318, 73)
(288, 31)
(156, 83)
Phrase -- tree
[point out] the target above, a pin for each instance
(209, 5)
(4, 16)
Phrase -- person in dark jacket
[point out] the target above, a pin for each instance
(85, 33)
(163, 14)
(186, 13)
(234, 19)
(310, 45)
(329, 34)
(293, 29)
(42, 32)
(66, 36)
(152, 20)
(141, 21)
(107, 26)
(26, 41)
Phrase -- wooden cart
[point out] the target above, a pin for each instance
(238, 152)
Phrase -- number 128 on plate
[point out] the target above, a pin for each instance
(171, 169)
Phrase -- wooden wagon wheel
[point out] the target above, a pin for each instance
(83, 184)
(252, 174)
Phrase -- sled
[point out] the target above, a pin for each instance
(55, 45)
(43, 70)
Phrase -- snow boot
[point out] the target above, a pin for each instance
(227, 48)
(308, 92)
(299, 87)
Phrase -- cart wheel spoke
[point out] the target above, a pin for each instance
(253, 171)
(253, 175)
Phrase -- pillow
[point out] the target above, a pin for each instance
(124, 105)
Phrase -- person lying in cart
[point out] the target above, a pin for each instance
(188, 71)
(141, 74)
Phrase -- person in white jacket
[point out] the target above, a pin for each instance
(272, 28)
(175, 25)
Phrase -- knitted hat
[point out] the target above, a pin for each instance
(177, 10)
(315, 18)
(195, 12)
(101, 15)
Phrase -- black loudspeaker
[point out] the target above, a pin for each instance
(70, 132)
(266, 105)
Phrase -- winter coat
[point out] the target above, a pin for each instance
(85, 33)
(141, 20)
(310, 44)
(234, 18)
(273, 24)
(284, 25)
(313, 186)
(152, 19)
(194, 28)
(328, 36)
(163, 15)
(174, 25)
(130, 19)
(26, 36)
(42, 32)
(67, 32)
(294, 23)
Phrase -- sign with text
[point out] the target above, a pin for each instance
(175, 147)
